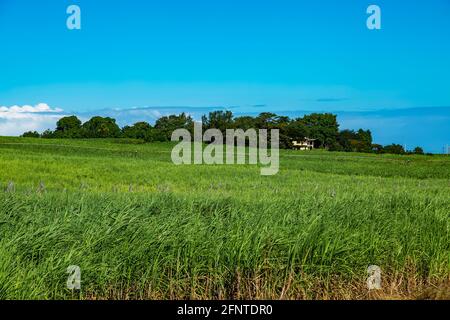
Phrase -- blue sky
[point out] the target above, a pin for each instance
(247, 56)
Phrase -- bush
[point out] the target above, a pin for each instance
(418, 150)
(31, 134)
(99, 127)
(394, 149)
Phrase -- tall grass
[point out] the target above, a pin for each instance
(218, 231)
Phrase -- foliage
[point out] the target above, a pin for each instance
(244, 123)
(100, 127)
(359, 141)
(31, 134)
(167, 124)
(323, 127)
(394, 149)
(68, 127)
(48, 134)
(418, 150)
(139, 130)
(221, 120)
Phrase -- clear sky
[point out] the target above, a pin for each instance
(249, 55)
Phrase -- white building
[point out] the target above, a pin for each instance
(305, 144)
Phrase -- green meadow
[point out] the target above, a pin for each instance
(140, 227)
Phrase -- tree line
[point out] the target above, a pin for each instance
(323, 127)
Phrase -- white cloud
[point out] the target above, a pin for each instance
(39, 108)
(16, 120)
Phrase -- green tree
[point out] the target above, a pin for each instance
(244, 123)
(140, 130)
(266, 120)
(68, 127)
(344, 139)
(48, 134)
(323, 127)
(394, 149)
(99, 127)
(31, 134)
(166, 125)
(221, 120)
(364, 136)
(418, 150)
(365, 141)
(377, 148)
(297, 130)
(359, 141)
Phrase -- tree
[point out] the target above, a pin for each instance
(344, 139)
(266, 120)
(394, 149)
(359, 141)
(364, 141)
(377, 148)
(68, 127)
(31, 134)
(48, 134)
(270, 121)
(155, 135)
(168, 124)
(323, 127)
(244, 123)
(221, 120)
(297, 130)
(99, 127)
(418, 150)
(365, 136)
(139, 130)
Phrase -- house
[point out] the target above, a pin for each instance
(305, 144)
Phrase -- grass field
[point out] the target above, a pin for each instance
(140, 227)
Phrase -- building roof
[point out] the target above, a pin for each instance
(307, 139)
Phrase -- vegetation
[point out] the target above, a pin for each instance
(31, 134)
(323, 127)
(140, 227)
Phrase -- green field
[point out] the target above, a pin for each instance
(140, 227)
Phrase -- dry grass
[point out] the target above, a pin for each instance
(258, 289)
